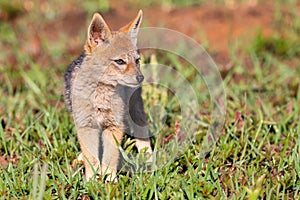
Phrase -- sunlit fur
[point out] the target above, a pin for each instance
(101, 89)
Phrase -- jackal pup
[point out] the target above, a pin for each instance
(103, 92)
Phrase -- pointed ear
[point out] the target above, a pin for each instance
(133, 27)
(97, 33)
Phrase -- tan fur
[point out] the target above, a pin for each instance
(100, 89)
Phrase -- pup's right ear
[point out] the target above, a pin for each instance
(97, 33)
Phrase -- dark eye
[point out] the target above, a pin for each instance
(137, 61)
(120, 62)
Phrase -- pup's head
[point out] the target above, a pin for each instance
(115, 51)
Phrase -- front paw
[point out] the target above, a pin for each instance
(109, 175)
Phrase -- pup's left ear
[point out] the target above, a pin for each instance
(133, 27)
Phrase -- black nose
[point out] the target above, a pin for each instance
(140, 78)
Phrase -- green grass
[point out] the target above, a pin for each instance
(257, 155)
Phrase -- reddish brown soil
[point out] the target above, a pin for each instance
(219, 25)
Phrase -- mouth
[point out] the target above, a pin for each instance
(130, 84)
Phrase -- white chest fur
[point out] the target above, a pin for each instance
(108, 105)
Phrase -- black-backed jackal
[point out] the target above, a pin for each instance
(103, 92)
